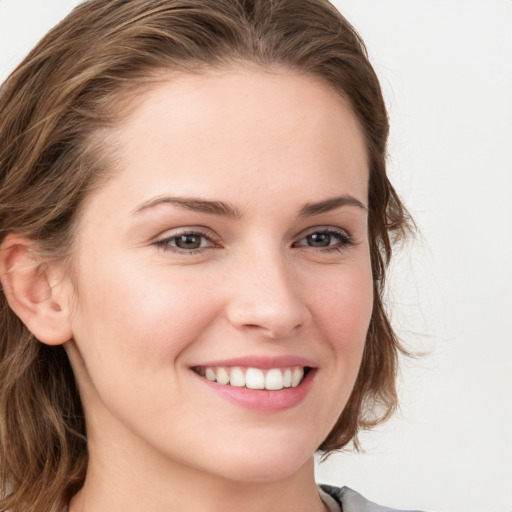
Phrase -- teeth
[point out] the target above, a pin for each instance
(287, 378)
(254, 379)
(273, 379)
(297, 375)
(210, 374)
(222, 376)
(237, 377)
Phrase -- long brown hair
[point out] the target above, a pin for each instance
(75, 83)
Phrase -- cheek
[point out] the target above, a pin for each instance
(344, 307)
(130, 320)
(131, 331)
(343, 313)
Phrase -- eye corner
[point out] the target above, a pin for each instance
(325, 239)
(186, 241)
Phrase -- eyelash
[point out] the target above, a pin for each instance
(165, 243)
(343, 237)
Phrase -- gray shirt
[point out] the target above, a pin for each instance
(346, 500)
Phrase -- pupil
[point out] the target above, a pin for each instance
(188, 242)
(319, 239)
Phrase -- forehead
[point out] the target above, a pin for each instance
(220, 131)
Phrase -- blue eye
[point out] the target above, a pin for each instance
(328, 239)
(189, 242)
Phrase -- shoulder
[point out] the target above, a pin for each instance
(352, 501)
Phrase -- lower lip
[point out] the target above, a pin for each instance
(263, 400)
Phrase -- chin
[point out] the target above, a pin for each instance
(264, 471)
(270, 460)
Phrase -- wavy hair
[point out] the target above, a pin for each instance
(78, 80)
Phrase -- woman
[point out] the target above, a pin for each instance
(195, 226)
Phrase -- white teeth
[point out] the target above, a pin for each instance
(210, 374)
(254, 378)
(273, 379)
(297, 375)
(237, 378)
(287, 378)
(222, 376)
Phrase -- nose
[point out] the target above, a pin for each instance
(265, 298)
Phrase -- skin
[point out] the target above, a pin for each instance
(267, 143)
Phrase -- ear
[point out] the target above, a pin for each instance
(35, 292)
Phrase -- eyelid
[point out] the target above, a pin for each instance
(343, 235)
(324, 229)
(183, 230)
(162, 240)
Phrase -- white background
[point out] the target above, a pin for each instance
(446, 68)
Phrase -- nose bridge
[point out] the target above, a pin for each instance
(265, 297)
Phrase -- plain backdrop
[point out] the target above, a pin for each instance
(446, 69)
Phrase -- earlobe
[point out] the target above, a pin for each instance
(33, 293)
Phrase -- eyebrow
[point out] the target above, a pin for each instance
(228, 210)
(194, 204)
(311, 209)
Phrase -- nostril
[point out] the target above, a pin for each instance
(274, 315)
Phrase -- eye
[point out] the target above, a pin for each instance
(186, 242)
(325, 239)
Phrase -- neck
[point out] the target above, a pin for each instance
(119, 480)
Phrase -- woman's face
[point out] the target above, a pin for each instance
(231, 244)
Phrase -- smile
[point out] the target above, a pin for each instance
(271, 379)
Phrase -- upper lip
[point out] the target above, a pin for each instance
(262, 362)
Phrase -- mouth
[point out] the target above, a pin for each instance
(263, 384)
(270, 379)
